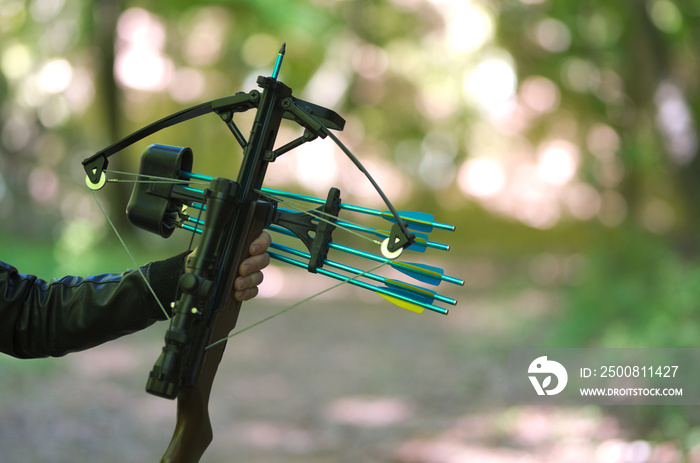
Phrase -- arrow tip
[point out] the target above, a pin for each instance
(283, 49)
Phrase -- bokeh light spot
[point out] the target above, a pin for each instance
(491, 83)
(43, 184)
(553, 35)
(603, 141)
(580, 75)
(16, 61)
(16, 133)
(45, 10)
(140, 62)
(56, 76)
(54, 112)
(205, 41)
(481, 177)
(370, 61)
(187, 85)
(540, 94)
(665, 15)
(583, 201)
(469, 26)
(260, 50)
(557, 162)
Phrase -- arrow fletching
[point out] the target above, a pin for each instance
(410, 291)
(424, 273)
(403, 304)
(414, 292)
(418, 221)
(362, 284)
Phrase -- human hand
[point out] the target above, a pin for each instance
(250, 271)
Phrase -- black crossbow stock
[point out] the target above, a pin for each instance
(229, 215)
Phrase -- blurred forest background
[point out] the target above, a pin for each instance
(560, 137)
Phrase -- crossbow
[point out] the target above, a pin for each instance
(228, 216)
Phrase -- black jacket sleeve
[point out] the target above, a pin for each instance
(42, 319)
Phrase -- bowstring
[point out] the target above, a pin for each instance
(320, 215)
(142, 178)
(150, 179)
(295, 205)
(126, 248)
(157, 179)
(296, 304)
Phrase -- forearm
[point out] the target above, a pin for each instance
(39, 318)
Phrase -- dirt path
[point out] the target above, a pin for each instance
(333, 381)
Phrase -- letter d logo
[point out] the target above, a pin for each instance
(541, 365)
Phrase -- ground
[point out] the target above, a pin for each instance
(339, 379)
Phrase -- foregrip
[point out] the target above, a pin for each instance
(193, 431)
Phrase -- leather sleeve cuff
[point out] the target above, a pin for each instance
(163, 276)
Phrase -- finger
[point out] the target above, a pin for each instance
(246, 294)
(254, 264)
(251, 281)
(260, 244)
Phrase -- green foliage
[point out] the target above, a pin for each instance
(636, 291)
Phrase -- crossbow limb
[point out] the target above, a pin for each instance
(205, 311)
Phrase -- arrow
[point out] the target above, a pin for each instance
(419, 221)
(416, 220)
(410, 290)
(278, 63)
(405, 301)
(424, 273)
(420, 244)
